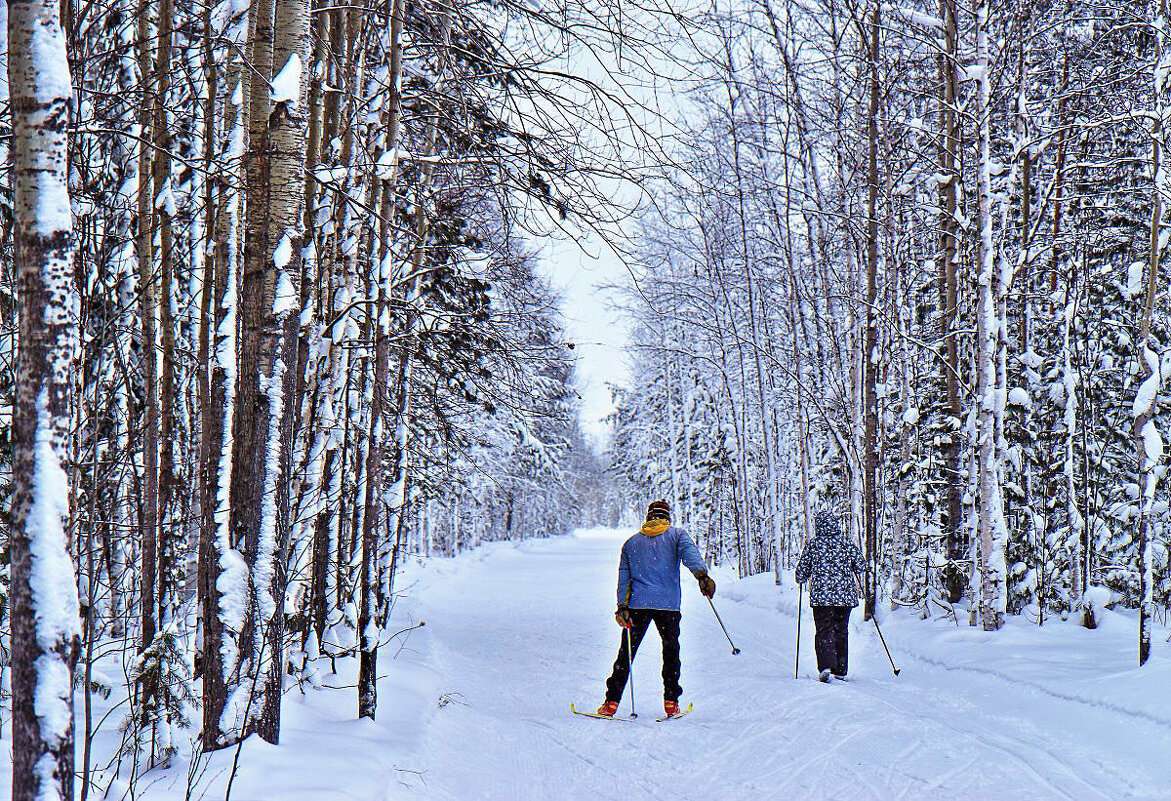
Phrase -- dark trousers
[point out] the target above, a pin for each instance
(667, 622)
(833, 631)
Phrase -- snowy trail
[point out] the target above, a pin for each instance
(516, 635)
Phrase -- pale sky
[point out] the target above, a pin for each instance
(599, 333)
(581, 272)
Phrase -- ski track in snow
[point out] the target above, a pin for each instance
(517, 633)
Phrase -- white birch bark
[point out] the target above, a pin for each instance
(261, 456)
(989, 391)
(45, 624)
(1147, 437)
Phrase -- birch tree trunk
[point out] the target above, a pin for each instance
(45, 625)
(1069, 380)
(223, 606)
(207, 300)
(333, 300)
(269, 298)
(288, 141)
(989, 394)
(1147, 439)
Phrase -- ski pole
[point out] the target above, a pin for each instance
(630, 673)
(735, 650)
(800, 603)
(883, 641)
(874, 619)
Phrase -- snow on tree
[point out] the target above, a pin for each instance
(44, 615)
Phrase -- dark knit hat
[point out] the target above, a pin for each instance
(658, 510)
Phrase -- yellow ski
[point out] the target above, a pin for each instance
(573, 709)
(676, 715)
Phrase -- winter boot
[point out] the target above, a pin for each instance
(824, 676)
(608, 709)
(671, 708)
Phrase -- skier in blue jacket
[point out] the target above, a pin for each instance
(648, 591)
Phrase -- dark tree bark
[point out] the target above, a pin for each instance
(371, 585)
(148, 304)
(947, 256)
(870, 356)
(369, 600)
(169, 537)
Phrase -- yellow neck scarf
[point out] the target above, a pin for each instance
(653, 528)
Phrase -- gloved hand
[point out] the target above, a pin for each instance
(623, 618)
(707, 584)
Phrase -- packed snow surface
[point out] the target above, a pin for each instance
(476, 703)
(515, 634)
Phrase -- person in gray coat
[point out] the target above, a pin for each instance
(831, 564)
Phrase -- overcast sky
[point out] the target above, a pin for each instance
(581, 273)
(600, 335)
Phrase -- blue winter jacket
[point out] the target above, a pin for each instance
(648, 572)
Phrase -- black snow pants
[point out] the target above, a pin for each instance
(667, 622)
(833, 630)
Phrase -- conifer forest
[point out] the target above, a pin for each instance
(300, 429)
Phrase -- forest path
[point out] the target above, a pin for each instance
(514, 636)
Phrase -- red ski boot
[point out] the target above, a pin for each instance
(608, 709)
(671, 708)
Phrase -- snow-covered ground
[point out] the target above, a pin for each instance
(475, 705)
(1024, 713)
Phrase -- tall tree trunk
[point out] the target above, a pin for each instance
(148, 309)
(375, 589)
(369, 589)
(309, 432)
(1069, 380)
(207, 301)
(947, 256)
(288, 140)
(1148, 441)
(223, 606)
(990, 392)
(160, 440)
(328, 385)
(45, 624)
(262, 452)
(168, 551)
(764, 400)
(870, 356)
